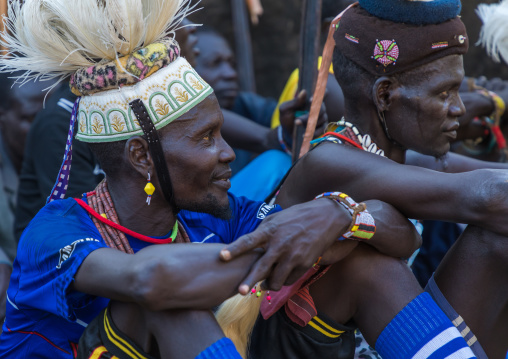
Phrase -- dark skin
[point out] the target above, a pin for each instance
(198, 159)
(477, 197)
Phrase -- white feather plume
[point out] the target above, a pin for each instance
(494, 33)
(51, 39)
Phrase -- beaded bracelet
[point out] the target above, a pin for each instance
(362, 226)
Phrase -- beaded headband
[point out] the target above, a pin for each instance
(126, 71)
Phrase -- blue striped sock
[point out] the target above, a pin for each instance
(422, 330)
(221, 349)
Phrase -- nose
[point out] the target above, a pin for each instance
(228, 72)
(457, 108)
(227, 155)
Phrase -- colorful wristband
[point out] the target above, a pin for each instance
(363, 226)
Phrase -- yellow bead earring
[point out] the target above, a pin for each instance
(149, 189)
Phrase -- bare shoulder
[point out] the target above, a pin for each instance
(331, 167)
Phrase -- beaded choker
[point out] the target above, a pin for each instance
(347, 132)
(103, 214)
(365, 140)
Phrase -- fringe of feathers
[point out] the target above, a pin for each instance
(494, 33)
(51, 39)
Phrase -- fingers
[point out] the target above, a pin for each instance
(259, 271)
(249, 242)
(243, 245)
(294, 104)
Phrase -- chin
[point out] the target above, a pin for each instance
(217, 206)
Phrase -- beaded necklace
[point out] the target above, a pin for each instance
(344, 131)
(103, 214)
(365, 140)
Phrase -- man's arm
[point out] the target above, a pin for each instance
(164, 276)
(451, 163)
(477, 197)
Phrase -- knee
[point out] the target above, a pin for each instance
(366, 267)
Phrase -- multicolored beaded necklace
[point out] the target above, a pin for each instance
(103, 214)
(349, 133)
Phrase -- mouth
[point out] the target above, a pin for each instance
(451, 131)
(451, 134)
(223, 180)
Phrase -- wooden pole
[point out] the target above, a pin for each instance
(309, 50)
(243, 46)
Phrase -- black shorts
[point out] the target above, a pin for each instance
(279, 338)
(102, 339)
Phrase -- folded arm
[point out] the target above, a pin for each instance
(478, 197)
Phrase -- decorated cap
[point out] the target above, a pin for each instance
(123, 63)
(389, 36)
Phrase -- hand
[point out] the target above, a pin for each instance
(287, 115)
(292, 241)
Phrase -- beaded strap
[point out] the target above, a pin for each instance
(363, 226)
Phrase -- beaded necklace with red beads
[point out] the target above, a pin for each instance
(103, 214)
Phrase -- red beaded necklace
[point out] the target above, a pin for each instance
(103, 214)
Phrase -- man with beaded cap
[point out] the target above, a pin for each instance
(154, 126)
(399, 64)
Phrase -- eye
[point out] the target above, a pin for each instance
(444, 95)
(208, 137)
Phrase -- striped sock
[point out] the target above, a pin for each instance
(221, 349)
(422, 330)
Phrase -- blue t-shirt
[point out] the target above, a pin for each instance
(45, 318)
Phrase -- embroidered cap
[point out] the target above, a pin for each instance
(385, 47)
(167, 94)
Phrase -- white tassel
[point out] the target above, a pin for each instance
(494, 33)
(51, 39)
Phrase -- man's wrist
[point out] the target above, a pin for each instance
(362, 226)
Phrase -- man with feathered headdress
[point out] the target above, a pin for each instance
(154, 125)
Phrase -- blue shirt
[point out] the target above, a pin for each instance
(45, 318)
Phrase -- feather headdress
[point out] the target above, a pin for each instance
(494, 33)
(51, 39)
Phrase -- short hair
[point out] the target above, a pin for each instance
(109, 155)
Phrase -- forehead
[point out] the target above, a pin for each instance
(448, 70)
(212, 44)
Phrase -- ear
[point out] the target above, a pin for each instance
(383, 92)
(138, 155)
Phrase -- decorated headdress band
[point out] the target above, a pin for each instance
(121, 59)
